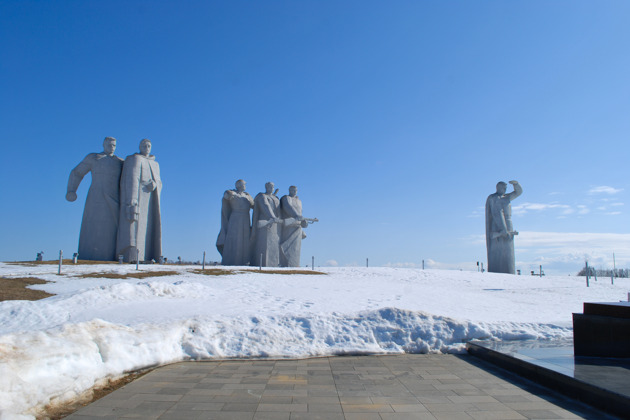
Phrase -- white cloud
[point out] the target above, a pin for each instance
(525, 207)
(617, 204)
(402, 265)
(331, 263)
(604, 189)
(613, 213)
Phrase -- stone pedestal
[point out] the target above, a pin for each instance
(603, 330)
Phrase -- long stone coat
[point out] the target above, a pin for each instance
(140, 189)
(233, 242)
(99, 226)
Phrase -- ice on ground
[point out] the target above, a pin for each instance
(55, 349)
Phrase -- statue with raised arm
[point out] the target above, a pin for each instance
(99, 227)
(266, 223)
(499, 230)
(292, 225)
(233, 242)
(140, 230)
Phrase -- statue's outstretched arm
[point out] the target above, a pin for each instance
(76, 176)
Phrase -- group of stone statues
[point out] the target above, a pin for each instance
(122, 218)
(274, 237)
(122, 209)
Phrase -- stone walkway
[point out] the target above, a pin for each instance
(396, 387)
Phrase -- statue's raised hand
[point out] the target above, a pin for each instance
(71, 196)
(513, 182)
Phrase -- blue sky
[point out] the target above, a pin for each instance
(395, 120)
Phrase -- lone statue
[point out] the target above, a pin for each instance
(233, 242)
(266, 224)
(292, 224)
(99, 227)
(140, 230)
(499, 230)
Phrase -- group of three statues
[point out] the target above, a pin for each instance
(122, 209)
(275, 235)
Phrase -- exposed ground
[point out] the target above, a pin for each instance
(16, 289)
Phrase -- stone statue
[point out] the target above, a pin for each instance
(499, 230)
(266, 225)
(233, 242)
(99, 227)
(140, 230)
(292, 224)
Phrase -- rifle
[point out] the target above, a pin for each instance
(293, 221)
(511, 234)
(267, 223)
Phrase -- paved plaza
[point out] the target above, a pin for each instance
(393, 387)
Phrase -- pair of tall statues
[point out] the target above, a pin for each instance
(122, 209)
(274, 238)
(499, 230)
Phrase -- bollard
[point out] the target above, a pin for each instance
(203, 265)
(260, 265)
(60, 257)
(312, 263)
(367, 262)
(137, 258)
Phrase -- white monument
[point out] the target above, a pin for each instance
(99, 227)
(233, 242)
(292, 225)
(499, 230)
(266, 224)
(140, 230)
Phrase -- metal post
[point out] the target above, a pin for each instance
(540, 268)
(477, 266)
(260, 266)
(313, 263)
(423, 264)
(203, 264)
(367, 262)
(137, 258)
(60, 257)
(587, 274)
(482, 267)
(614, 273)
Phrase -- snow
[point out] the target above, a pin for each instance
(54, 350)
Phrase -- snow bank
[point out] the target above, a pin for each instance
(55, 349)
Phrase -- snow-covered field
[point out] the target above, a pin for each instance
(55, 349)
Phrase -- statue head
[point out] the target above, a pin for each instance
(501, 187)
(269, 187)
(240, 185)
(145, 147)
(109, 145)
(292, 190)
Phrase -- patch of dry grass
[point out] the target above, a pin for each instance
(57, 412)
(15, 289)
(133, 275)
(55, 262)
(224, 272)
(272, 271)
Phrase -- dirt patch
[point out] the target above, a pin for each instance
(134, 275)
(56, 412)
(268, 271)
(214, 272)
(224, 272)
(56, 262)
(16, 289)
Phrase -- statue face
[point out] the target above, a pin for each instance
(292, 191)
(145, 148)
(501, 188)
(269, 187)
(109, 147)
(240, 186)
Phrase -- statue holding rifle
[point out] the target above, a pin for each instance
(292, 225)
(499, 230)
(266, 228)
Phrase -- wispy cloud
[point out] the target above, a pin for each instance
(604, 189)
(331, 263)
(527, 207)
